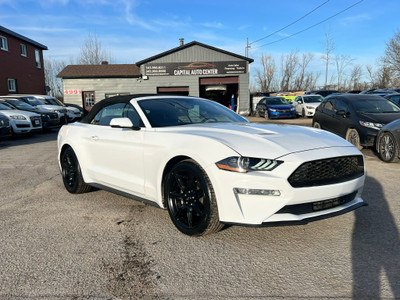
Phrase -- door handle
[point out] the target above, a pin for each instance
(94, 137)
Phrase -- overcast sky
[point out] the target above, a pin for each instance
(137, 29)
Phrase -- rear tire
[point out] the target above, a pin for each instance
(388, 148)
(191, 200)
(353, 137)
(72, 174)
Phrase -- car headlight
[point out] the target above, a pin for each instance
(272, 109)
(18, 117)
(293, 109)
(247, 164)
(372, 125)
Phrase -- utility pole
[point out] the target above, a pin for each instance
(247, 48)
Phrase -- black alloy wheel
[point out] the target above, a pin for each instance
(191, 200)
(388, 148)
(317, 125)
(71, 173)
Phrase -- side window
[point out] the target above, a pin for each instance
(104, 116)
(341, 105)
(131, 113)
(329, 105)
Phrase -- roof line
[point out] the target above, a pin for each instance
(139, 63)
(20, 36)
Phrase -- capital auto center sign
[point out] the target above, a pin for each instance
(72, 92)
(196, 68)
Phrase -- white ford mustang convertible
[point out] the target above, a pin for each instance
(209, 166)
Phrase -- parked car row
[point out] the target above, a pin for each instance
(364, 120)
(23, 114)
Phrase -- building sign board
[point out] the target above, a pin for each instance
(196, 68)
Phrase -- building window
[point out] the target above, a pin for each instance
(3, 43)
(37, 57)
(12, 86)
(23, 50)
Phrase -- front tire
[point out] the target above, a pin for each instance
(353, 137)
(191, 200)
(72, 174)
(303, 113)
(317, 125)
(388, 148)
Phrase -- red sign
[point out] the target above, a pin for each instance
(72, 92)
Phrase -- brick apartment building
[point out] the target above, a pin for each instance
(21, 64)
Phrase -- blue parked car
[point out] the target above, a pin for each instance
(274, 108)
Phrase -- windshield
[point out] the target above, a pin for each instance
(313, 99)
(34, 102)
(276, 101)
(180, 111)
(53, 101)
(375, 106)
(20, 105)
(3, 106)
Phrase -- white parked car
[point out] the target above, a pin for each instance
(73, 113)
(35, 101)
(209, 166)
(21, 122)
(306, 104)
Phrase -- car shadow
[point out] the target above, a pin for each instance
(375, 246)
(34, 138)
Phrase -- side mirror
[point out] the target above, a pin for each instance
(123, 123)
(300, 101)
(341, 113)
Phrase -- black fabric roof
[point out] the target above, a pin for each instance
(117, 99)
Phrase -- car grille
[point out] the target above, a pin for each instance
(53, 116)
(283, 111)
(36, 121)
(327, 171)
(305, 208)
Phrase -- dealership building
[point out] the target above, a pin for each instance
(193, 69)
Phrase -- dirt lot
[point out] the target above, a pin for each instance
(55, 245)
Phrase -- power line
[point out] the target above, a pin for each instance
(290, 23)
(312, 26)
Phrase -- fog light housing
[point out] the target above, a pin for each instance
(260, 192)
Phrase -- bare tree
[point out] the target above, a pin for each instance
(289, 66)
(341, 62)
(92, 52)
(329, 48)
(51, 69)
(355, 77)
(265, 77)
(300, 80)
(382, 77)
(392, 54)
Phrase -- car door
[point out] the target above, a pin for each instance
(298, 104)
(326, 117)
(116, 154)
(342, 120)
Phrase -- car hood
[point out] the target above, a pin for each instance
(383, 118)
(263, 140)
(313, 104)
(19, 112)
(280, 106)
(69, 108)
(52, 107)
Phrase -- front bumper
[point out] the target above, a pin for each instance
(237, 208)
(278, 115)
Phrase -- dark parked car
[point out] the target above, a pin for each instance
(394, 97)
(357, 118)
(5, 128)
(50, 119)
(388, 142)
(323, 93)
(274, 108)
